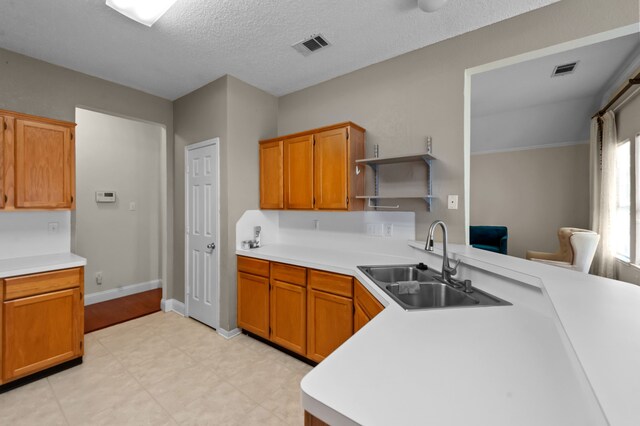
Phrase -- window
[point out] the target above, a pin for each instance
(622, 218)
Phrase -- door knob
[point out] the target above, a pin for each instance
(211, 246)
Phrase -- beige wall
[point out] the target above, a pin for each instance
(124, 156)
(240, 115)
(533, 193)
(36, 87)
(402, 100)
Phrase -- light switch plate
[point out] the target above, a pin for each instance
(452, 202)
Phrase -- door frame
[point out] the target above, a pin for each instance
(208, 142)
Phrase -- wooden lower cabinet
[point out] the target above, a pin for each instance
(366, 307)
(288, 316)
(306, 311)
(329, 323)
(311, 420)
(253, 304)
(45, 328)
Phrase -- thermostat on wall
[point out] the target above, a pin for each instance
(105, 197)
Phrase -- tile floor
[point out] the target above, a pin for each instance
(164, 369)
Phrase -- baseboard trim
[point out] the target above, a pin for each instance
(172, 305)
(115, 293)
(228, 334)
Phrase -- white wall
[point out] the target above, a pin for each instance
(24, 234)
(122, 155)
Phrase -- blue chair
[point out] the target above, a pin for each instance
(490, 238)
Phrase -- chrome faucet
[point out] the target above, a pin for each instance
(447, 269)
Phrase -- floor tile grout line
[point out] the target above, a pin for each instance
(55, 396)
(144, 388)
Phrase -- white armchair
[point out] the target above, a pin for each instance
(577, 248)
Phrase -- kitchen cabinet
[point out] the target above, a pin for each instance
(42, 321)
(366, 307)
(253, 296)
(298, 173)
(320, 170)
(329, 313)
(3, 194)
(289, 307)
(272, 175)
(306, 311)
(37, 164)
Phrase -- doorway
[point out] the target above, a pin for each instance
(202, 224)
(119, 222)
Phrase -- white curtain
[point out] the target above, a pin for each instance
(603, 192)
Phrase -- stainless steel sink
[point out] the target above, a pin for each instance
(413, 288)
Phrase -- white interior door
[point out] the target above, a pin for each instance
(202, 260)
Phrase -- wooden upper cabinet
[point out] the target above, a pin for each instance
(320, 171)
(43, 165)
(272, 175)
(330, 169)
(3, 194)
(298, 173)
(37, 162)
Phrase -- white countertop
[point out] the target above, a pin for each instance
(35, 264)
(491, 365)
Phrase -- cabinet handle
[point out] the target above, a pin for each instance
(72, 198)
(6, 199)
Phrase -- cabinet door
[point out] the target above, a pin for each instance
(253, 304)
(330, 170)
(3, 194)
(298, 173)
(272, 175)
(41, 331)
(360, 317)
(288, 316)
(366, 306)
(44, 165)
(329, 323)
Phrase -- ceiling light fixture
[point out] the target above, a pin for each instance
(430, 5)
(146, 12)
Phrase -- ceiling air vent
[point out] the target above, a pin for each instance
(565, 69)
(311, 45)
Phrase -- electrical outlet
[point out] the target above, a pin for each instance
(452, 202)
(379, 230)
(388, 229)
(132, 206)
(316, 224)
(99, 278)
(53, 227)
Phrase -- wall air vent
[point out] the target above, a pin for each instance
(311, 45)
(565, 69)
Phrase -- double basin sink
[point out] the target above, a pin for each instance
(414, 288)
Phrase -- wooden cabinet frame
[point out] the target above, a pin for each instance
(34, 192)
(319, 174)
(41, 322)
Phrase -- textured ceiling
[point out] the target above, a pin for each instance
(521, 105)
(198, 41)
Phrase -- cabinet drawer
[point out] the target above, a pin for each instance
(46, 282)
(253, 266)
(341, 285)
(289, 274)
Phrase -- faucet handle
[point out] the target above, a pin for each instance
(454, 269)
